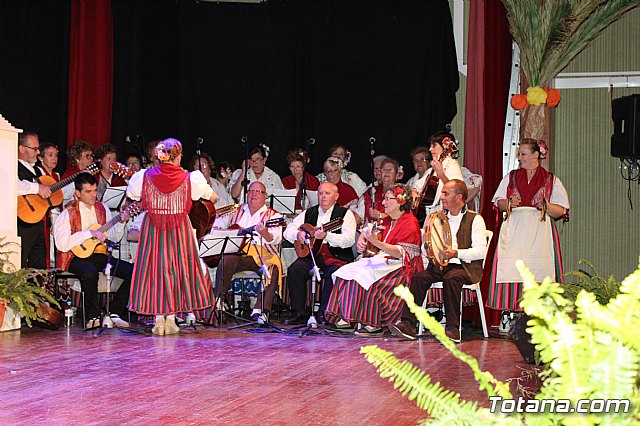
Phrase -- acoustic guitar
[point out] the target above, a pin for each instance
(302, 249)
(32, 207)
(203, 213)
(121, 170)
(213, 261)
(372, 250)
(93, 245)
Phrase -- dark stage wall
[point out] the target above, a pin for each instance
(278, 72)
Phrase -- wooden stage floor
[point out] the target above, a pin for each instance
(218, 376)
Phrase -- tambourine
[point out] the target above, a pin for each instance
(438, 238)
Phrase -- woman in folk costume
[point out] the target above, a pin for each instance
(363, 290)
(168, 276)
(531, 198)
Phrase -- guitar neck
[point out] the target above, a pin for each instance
(225, 210)
(109, 224)
(66, 181)
(332, 225)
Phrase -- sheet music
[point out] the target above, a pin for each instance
(212, 243)
(312, 199)
(283, 200)
(114, 196)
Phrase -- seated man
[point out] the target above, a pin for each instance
(335, 250)
(253, 213)
(71, 230)
(468, 248)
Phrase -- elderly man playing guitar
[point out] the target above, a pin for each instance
(75, 238)
(333, 252)
(264, 223)
(463, 259)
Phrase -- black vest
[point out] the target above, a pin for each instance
(311, 217)
(26, 174)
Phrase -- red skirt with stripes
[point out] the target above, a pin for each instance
(376, 307)
(168, 276)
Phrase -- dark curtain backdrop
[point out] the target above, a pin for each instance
(34, 66)
(281, 72)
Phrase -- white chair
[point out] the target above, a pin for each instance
(472, 287)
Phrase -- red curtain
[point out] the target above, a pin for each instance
(90, 72)
(488, 75)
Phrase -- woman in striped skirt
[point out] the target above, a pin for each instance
(363, 290)
(168, 276)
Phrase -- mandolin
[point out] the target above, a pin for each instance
(372, 250)
(302, 249)
(32, 207)
(93, 245)
(203, 213)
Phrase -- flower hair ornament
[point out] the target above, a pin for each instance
(336, 160)
(401, 196)
(347, 157)
(450, 146)
(161, 152)
(543, 149)
(265, 148)
(302, 157)
(400, 173)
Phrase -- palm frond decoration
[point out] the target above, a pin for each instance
(550, 33)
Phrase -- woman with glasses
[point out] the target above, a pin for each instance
(297, 159)
(80, 154)
(347, 176)
(134, 162)
(333, 171)
(363, 291)
(255, 170)
(205, 164)
(421, 159)
(168, 277)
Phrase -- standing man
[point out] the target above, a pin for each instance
(253, 213)
(72, 229)
(32, 234)
(335, 250)
(468, 248)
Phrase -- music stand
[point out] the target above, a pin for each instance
(114, 196)
(264, 273)
(283, 200)
(218, 243)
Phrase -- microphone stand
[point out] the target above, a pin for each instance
(245, 180)
(372, 190)
(264, 274)
(303, 182)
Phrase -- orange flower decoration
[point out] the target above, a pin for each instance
(519, 102)
(553, 97)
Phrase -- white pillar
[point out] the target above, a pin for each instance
(8, 196)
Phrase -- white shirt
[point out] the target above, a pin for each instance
(269, 179)
(478, 238)
(25, 187)
(224, 198)
(451, 169)
(199, 186)
(63, 238)
(345, 239)
(245, 219)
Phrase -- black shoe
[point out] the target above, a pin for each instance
(453, 333)
(295, 319)
(320, 319)
(403, 329)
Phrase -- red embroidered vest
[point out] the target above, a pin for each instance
(63, 258)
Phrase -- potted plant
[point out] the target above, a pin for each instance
(20, 294)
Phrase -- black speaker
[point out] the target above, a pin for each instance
(625, 141)
(522, 339)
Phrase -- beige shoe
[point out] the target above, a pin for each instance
(170, 326)
(158, 327)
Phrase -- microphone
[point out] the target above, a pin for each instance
(199, 141)
(243, 140)
(372, 140)
(112, 245)
(311, 141)
(127, 139)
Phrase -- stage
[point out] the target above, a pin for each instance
(218, 376)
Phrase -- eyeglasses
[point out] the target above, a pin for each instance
(133, 163)
(390, 198)
(420, 160)
(36, 149)
(388, 170)
(327, 171)
(256, 191)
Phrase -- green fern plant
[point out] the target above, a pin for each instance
(604, 288)
(19, 289)
(590, 351)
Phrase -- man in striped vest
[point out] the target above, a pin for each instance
(72, 229)
(468, 248)
(253, 214)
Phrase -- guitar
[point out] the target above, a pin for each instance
(302, 249)
(428, 196)
(32, 207)
(93, 245)
(121, 170)
(372, 250)
(212, 261)
(203, 213)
